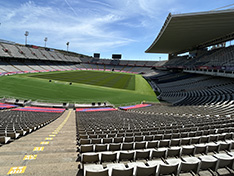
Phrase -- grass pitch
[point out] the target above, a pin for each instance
(97, 78)
(117, 88)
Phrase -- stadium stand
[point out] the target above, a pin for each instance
(19, 122)
(189, 133)
(15, 58)
(159, 144)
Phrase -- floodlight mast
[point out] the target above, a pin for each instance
(26, 35)
(45, 41)
(67, 45)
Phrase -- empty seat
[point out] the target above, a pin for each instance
(128, 139)
(190, 164)
(4, 140)
(127, 146)
(164, 143)
(124, 172)
(85, 141)
(224, 145)
(225, 160)
(155, 162)
(160, 153)
(174, 152)
(140, 169)
(86, 148)
(195, 140)
(144, 154)
(12, 134)
(93, 136)
(138, 138)
(200, 149)
(114, 147)
(205, 139)
(158, 137)
(184, 134)
(175, 142)
(188, 150)
(111, 135)
(107, 140)
(185, 141)
(149, 138)
(175, 135)
(213, 137)
(100, 147)
(140, 145)
(96, 141)
(83, 136)
(95, 170)
(110, 167)
(129, 134)
(166, 169)
(126, 156)
(213, 147)
(167, 136)
(90, 158)
(102, 135)
(118, 139)
(108, 157)
(120, 135)
(152, 144)
(209, 162)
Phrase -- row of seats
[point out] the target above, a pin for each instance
(212, 58)
(155, 144)
(134, 121)
(23, 52)
(14, 124)
(163, 152)
(174, 136)
(168, 166)
(156, 135)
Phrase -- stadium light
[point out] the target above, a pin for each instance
(26, 35)
(45, 41)
(67, 45)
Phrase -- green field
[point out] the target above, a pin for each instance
(97, 78)
(87, 86)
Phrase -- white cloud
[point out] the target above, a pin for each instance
(73, 10)
(60, 25)
(89, 25)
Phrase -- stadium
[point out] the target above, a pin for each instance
(66, 113)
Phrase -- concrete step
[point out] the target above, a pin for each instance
(57, 158)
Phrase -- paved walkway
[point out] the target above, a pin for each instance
(57, 158)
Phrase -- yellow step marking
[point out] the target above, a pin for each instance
(17, 170)
(30, 157)
(52, 135)
(48, 139)
(38, 149)
(44, 143)
(62, 124)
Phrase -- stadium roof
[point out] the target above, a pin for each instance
(185, 32)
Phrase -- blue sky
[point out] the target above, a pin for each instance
(105, 26)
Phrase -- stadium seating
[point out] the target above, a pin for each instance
(158, 144)
(14, 124)
(15, 58)
(190, 132)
